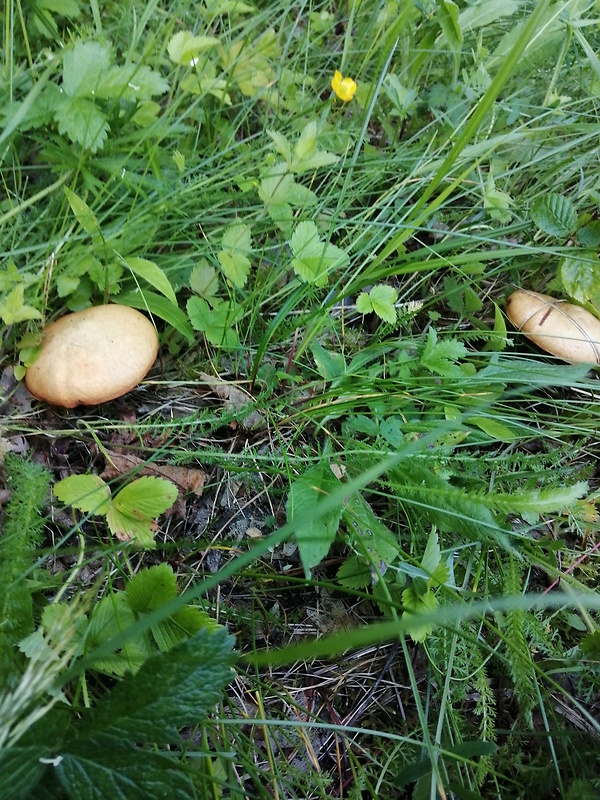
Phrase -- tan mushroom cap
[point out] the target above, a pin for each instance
(93, 356)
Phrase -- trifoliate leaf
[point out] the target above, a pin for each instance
(88, 493)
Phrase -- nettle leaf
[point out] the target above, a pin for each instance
(83, 66)
(313, 258)
(314, 536)
(184, 48)
(13, 307)
(82, 122)
(87, 493)
(204, 280)
(555, 215)
(381, 300)
(169, 692)
(580, 275)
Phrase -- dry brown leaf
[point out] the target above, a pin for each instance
(233, 399)
(186, 479)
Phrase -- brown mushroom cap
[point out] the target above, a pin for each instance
(93, 356)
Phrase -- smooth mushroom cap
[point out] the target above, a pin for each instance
(93, 356)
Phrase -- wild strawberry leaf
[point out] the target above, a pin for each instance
(145, 498)
(88, 493)
(83, 66)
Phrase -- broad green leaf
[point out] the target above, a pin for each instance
(314, 536)
(82, 121)
(432, 555)
(152, 274)
(13, 307)
(130, 529)
(151, 588)
(555, 215)
(145, 498)
(329, 364)
(313, 259)
(160, 307)
(88, 493)
(449, 22)
(131, 82)
(204, 280)
(589, 234)
(184, 48)
(99, 769)
(237, 238)
(110, 616)
(169, 692)
(216, 323)
(235, 266)
(391, 430)
(307, 156)
(416, 603)
(372, 539)
(364, 304)
(22, 768)
(83, 66)
(580, 275)
(383, 299)
(83, 213)
(354, 573)
(497, 430)
(485, 13)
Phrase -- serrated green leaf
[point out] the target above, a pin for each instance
(418, 603)
(145, 498)
(364, 304)
(383, 300)
(354, 573)
(151, 588)
(216, 323)
(151, 273)
(101, 769)
(169, 692)
(439, 357)
(204, 280)
(313, 259)
(129, 529)
(314, 536)
(88, 493)
(131, 82)
(83, 213)
(580, 275)
(81, 120)
(83, 65)
(555, 215)
(13, 307)
(235, 266)
(110, 616)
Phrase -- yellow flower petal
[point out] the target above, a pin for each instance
(345, 88)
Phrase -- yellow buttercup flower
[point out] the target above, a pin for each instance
(345, 88)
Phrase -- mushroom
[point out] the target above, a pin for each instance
(92, 356)
(563, 329)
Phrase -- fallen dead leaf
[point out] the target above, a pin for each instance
(186, 479)
(234, 399)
